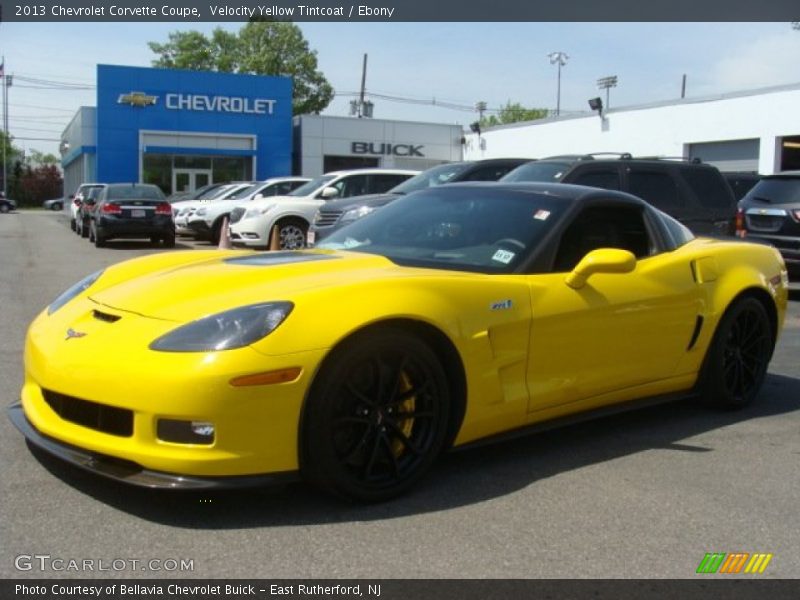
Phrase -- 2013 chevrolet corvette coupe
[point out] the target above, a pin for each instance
(450, 316)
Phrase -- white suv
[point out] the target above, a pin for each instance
(252, 225)
(207, 218)
(183, 210)
(78, 197)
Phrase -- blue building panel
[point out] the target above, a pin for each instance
(133, 100)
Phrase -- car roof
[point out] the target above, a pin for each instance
(566, 191)
(377, 170)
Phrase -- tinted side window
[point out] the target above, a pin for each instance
(488, 173)
(355, 185)
(608, 179)
(382, 183)
(709, 187)
(603, 227)
(655, 187)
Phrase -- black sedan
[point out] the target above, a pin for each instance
(131, 210)
(6, 204)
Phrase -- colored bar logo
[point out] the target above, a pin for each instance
(734, 562)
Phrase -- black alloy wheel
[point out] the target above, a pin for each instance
(737, 360)
(376, 418)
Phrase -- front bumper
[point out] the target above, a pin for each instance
(129, 472)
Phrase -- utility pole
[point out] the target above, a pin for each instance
(6, 82)
(363, 88)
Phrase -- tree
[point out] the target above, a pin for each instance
(12, 155)
(260, 48)
(37, 158)
(513, 113)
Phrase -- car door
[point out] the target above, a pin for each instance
(619, 330)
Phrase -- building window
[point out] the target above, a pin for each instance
(186, 172)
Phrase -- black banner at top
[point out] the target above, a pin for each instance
(397, 10)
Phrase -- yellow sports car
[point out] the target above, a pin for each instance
(449, 316)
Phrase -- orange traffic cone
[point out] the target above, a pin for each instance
(225, 235)
(275, 238)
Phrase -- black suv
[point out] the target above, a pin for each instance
(694, 193)
(338, 213)
(771, 212)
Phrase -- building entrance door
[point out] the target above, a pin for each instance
(188, 180)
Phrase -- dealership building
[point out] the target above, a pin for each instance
(184, 129)
(755, 131)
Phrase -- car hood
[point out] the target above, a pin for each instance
(217, 280)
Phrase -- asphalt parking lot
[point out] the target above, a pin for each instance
(643, 494)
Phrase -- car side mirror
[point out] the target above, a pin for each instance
(258, 196)
(329, 192)
(602, 260)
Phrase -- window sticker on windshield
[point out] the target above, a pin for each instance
(503, 256)
(541, 214)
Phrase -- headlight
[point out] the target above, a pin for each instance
(227, 330)
(201, 211)
(259, 210)
(76, 289)
(356, 213)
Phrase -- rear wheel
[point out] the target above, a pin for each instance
(376, 418)
(736, 363)
(57, 206)
(4, 208)
(84, 228)
(169, 240)
(99, 241)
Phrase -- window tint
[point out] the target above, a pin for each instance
(655, 187)
(780, 190)
(538, 171)
(679, 233)
(608, 179)
(603, 227)
(709, 187)
(355, 185)
(488, 173)
(383, 183)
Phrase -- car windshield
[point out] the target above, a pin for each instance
(543, 171)
(430, 178)
(777, 190)
(480, 229)
(143, 192)
(312, 186)
(244, 192)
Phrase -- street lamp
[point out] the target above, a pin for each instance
(560, 59)
(606, 83)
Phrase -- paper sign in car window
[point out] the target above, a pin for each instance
(541, 214)
(503, 256)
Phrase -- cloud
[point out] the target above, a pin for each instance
(768, 61)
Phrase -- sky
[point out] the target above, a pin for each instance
(459, 63)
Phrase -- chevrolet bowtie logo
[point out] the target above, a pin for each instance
(137, 99)
(71, 333)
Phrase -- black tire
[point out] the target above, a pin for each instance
(292, 234)
(4, 208)
(376, 417)
(169, 240)
(72, 224)
(99, 241)
(57, 206)
(736, 363)
(85, 228)
(216, 231)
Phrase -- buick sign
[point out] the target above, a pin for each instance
(387, 149)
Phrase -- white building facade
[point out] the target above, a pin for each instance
(757, 131)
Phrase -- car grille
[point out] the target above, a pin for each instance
(327, 218)
(108, 419)
(768, 223)
(237, 214)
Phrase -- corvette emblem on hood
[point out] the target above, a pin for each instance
(71, 333)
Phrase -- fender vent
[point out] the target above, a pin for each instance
(698, 325)
(108, 318)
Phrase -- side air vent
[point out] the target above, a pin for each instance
(107, 317)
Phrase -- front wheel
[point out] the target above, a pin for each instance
(292, 234)
(736, 363)
(376, 417)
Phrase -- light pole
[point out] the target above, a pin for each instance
(606, 83)
(560, 59)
